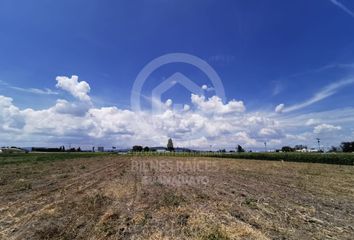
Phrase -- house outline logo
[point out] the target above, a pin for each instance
(174, 79)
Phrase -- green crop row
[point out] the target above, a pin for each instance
(327, 158)
(17, 158)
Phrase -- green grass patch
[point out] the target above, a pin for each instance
(327, 158)
(19, 158)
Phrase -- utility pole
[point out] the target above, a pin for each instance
(319, 143)
(265, 146)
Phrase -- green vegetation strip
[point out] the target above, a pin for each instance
(17, 158)
(327, 158)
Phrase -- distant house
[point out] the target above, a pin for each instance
(313, 150)
(13, 150)
(161, 150)
(302, 150)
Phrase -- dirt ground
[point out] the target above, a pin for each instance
(127, 197)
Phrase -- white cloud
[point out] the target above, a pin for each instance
(45, 91)
(343, 7)
(186, 107)
(204, 87)
(168, 103)
(321, 95)
(206, 122)
(10, 116)
(214, 105)
(280, 108)
(326, 128)
(76, 108)
(269, 132)
(78, 89)
(311, 122)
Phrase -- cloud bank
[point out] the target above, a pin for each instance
(200, 123)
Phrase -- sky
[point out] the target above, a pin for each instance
(69, 71)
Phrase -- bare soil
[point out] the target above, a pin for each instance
(125, 197)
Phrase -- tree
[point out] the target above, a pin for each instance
(347, 146)
(146, 149)
(240, 149)
(170, 145)
(334, 149)
(300, 147)
(287, 149)
(137, 148)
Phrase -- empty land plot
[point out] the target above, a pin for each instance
(132, 197)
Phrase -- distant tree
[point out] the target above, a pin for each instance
(79, 149)
(146, 149)
(240, 149)
(222, 150)
(347, 146)
(334, 149)
(137, 148)
(300, 147)
(287, 149)
(170, 145)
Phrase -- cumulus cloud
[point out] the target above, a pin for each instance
(214, 105)
(83, 122)
(168, 103)
(207, 121)
(186, 107)
(72, 85)
(10, 116)
(279, 108)
(326, 128)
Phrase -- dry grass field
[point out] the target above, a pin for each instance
(127, 197)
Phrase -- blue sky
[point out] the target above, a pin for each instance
(266, 53)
